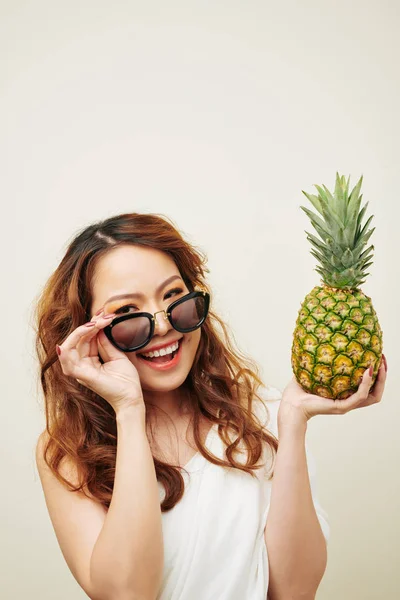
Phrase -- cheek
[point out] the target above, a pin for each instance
(192, 341)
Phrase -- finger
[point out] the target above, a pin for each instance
(377, 389)
(356, 399)
(106, 349)
(94, 349)
(85, 330)
(82, 335)
(87, 345)
(363, 391)
(379, 385)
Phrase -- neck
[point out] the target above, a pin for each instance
(174, 403)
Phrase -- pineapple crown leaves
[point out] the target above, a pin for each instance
(342, 261)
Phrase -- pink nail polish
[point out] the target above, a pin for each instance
(371, 371)
(385, 362)
(90, 324)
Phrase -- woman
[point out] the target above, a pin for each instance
(138, 511)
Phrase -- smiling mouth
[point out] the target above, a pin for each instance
(162, 359)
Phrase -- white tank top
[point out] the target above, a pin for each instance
(214, 546)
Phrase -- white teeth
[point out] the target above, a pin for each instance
(162, 351)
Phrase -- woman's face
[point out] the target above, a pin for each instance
(135, 269)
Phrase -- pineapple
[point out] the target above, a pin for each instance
(337, 335)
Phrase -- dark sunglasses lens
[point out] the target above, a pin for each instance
(188, 314)
(132, 332)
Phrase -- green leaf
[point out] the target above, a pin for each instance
(337, 279)
(347, 258)
(335, 208)
(349, 234)
(366, 266)
(352, 224)
(358, 265)
(340, 192)
(321, 259)
(326, 276)
(363, 230)
(317, 223)
(335, 262)
(314, 201)
(334, 247)
(324, 249)
(346, 186)
(316, 242)
(323, 271)
(338, 187)
(354, 208)
(359, 221)
(345, 277)
(330, 199)
(321, 256)
(364, 254)
(329, 210)
(363, 241)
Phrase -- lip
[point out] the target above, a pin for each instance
(165, 345)
(163, 366)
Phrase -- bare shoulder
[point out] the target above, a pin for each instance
(67, 468)
(76, 519)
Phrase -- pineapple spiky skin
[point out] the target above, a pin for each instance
(337, 334)
(337, 337)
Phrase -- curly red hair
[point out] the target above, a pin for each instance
(80, 424)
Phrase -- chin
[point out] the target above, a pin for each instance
(163, 387)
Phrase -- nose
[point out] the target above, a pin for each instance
(162, 323)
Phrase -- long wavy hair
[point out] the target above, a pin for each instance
(80, 424)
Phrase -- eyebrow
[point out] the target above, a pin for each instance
(139, 294)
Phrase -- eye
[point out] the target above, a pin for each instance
(125, 309)
(175, 290)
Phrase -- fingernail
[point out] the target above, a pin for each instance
(58, 349)
(90, 324)
(385, 361)
(98, 312)
(371, 371)
(109, 316)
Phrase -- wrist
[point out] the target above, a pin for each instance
(291, 418)
(292, 430)
(136, 412)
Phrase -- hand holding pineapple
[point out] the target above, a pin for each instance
(338, 338)
(298, 406)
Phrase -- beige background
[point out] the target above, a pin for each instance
(217, 114)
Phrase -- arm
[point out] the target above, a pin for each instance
(295, 542)
(128, 555)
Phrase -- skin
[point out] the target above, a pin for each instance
(139, 269)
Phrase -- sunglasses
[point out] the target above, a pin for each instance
(134, 331)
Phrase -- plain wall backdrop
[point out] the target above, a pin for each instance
(216, 114)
